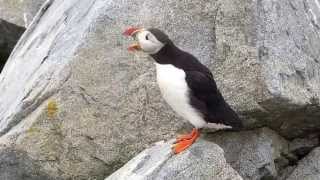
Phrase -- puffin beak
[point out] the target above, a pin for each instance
(132, 31)
(134, 47)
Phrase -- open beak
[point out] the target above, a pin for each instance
(132, 32)
(134, 47)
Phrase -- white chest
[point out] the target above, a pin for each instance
(174, 89)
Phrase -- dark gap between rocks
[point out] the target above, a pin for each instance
(9, 36)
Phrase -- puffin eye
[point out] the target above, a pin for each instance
(147, 37)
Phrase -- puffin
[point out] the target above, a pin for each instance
(186, 85)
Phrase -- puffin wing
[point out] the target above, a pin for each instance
(203, 87)
(205, 96)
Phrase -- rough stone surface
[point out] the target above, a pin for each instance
(269, 51)
(108, 104)
(302, 146)
(15, 165)
(204, 160)
(255, 155)
(285, 173)
(9, 35)
(19, 12)
(75, 101)
(308, 168)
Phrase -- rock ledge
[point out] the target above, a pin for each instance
(204, 160)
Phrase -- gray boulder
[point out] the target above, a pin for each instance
(267, 56)
(108, 106)
(302, 146)
(308, 168)
(73, 99)
(255, 155)
(17, 165)
(9, 35)
(19, 12)
(203, 160)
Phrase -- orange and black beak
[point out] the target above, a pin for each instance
(132, 32)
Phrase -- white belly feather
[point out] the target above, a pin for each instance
(174, 89)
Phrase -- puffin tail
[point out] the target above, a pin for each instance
(226, 115)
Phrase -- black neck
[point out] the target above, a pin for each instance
(167, 54)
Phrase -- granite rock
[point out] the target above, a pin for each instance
(203, 160)
(308, 168)
(267, 62)
(73, 99)
(17, 165)
(19, 12)
(257, 154)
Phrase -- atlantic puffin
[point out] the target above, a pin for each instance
(186, 85)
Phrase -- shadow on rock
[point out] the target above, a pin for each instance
(17, 165)
(9, 36)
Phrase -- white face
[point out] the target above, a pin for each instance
(148, 42)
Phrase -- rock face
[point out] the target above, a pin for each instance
(302, 146)
(255, 155)
(308, 168)
(10, 34)
(15, 165)
(108, 106)
(204, 160)
(19, 12)
(80, 106)
(267, 62)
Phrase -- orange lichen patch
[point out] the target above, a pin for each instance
(33, 130)
(52, 108)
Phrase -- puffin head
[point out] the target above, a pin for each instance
(149, 41)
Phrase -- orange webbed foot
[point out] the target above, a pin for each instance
(186, 136)
(185, 141)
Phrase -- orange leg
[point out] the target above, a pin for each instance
(185, 141)
(187, 136)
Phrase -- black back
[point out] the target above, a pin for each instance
(161, 36)
(204, 94)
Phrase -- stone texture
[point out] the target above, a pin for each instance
(73, 99)
(16, 165)
(255, 155)
(108, 104)
(19, 12)
(302, 146)
(204, 160)
(267, 62)
(285, 173)
(308, 168)
(9, 35)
